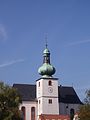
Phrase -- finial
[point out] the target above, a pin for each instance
(46, 40)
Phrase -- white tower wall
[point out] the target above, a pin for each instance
(47, 96)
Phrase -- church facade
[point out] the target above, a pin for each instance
(46, 99)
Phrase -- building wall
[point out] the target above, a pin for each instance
(48, 108)
(64, 108)
(43, 89)
(28, 105)
(46, 92)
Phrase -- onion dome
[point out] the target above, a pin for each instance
(46, 70)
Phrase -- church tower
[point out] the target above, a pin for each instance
(47, 87)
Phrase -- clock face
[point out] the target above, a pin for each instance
(50, 89)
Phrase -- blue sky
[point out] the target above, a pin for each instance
(23, 27)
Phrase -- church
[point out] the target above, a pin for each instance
(46, 100)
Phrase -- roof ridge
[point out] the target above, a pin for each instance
(23, 84)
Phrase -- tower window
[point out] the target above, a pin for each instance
(50, 83)
(39, 101)
(39, 84)
(50, 101)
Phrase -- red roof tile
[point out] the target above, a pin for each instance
(54, 117)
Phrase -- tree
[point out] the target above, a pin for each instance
(9, 103)
(84, 112)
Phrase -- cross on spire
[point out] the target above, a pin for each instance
(46, 41)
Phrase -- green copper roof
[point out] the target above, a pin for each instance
(46, 69)
(46, 51)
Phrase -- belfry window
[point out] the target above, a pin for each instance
(23, 110)
(32, 113)
(50, 83)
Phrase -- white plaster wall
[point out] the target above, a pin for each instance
(44, 95)
(28, 106)
(64, 110)
(45, 108)
(39, 106)
(39, 88)
(50, 108)
(43, 89)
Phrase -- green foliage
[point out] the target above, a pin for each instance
(9, 103)
(84, 113)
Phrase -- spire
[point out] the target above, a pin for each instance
(46, 70)
(46, 41)
(46, 53)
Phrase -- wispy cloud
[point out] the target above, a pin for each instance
(3, 33)
(78, 42)
(11, 63)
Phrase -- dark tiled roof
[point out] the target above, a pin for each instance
(66, 94)
(27, 92)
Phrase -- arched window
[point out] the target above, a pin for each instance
(71, 113)
(50, 83)
(23, 109)
(32, 113)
